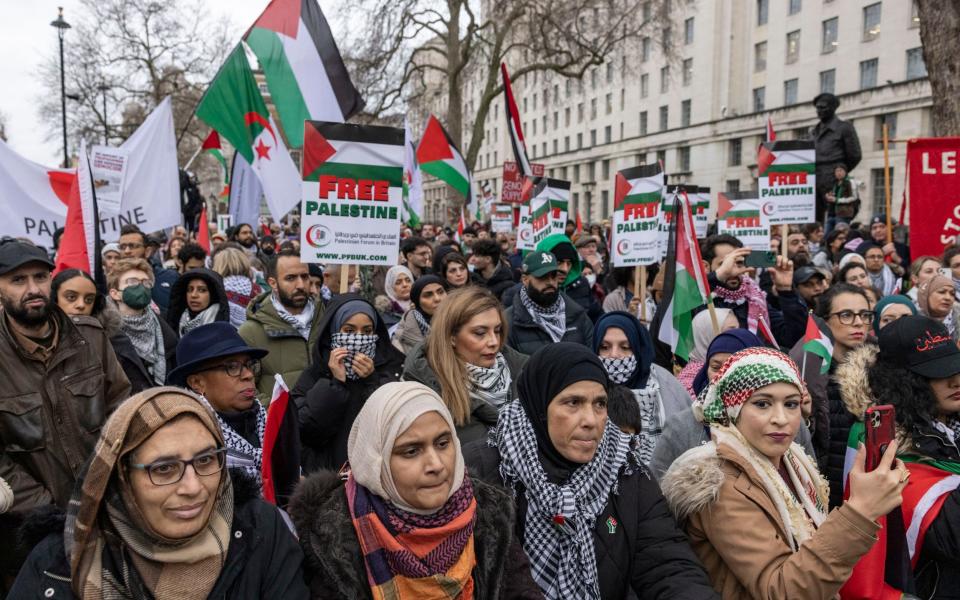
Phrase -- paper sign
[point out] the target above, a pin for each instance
(637, 196)
(788, 181)
(741, 215)
(511, 191)
(109, 168)
(501, 218)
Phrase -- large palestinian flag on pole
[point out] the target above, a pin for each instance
(636, 215)
(80, 243)
(234, 107)
(513, 125)
(305, 72)
(412, 182)
(439, 156)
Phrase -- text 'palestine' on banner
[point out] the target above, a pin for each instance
(352, 193)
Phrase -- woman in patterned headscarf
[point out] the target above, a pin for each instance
(753, 503)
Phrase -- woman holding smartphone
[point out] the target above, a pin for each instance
(917, 371)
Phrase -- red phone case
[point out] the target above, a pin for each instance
(881, 431)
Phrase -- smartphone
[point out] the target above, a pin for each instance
(761, 258)
(881, 430)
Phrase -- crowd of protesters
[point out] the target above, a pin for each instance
(476, 420)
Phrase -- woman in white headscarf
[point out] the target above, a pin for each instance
(406, 493)
(397, 286)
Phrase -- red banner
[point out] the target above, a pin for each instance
(933, 167)
(512, 189)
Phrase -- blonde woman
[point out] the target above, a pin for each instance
(233, 265)
(480, 375)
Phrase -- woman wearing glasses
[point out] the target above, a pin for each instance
(845, 312)
(217, 364)
(158, 516)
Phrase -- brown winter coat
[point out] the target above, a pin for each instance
(738, 533)
(51, 411)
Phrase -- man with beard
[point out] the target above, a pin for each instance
(810, 283)
(798, 248)
(61, 380)
(244, 236)
(542, 314)
(417, 254)
(284, 322)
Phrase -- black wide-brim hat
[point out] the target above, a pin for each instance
(207, 342)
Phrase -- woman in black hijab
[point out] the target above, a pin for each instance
(426, 295)
(554, 447)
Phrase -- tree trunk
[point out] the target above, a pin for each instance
(939, 32)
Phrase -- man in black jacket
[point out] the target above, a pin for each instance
(541, 314)
(497, 276)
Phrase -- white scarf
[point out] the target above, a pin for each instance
(552, 319)
(302, 322)
(490, 385)
(204, 317)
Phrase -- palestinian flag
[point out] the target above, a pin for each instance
(438, 156)
(233, 107)
(305, 72)
(280, 467)
(203, 233)
(354, 152)
(771, 134)
(412, 183)
(513, 125)
(817, 342)
(886, 571)
(640, 188)
(685, 284)
(794, 156)
(212, 146)
(461, 225)
(80, 243)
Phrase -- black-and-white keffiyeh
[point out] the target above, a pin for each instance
(355, 343)
(561, 550)
(620, 369)
(147, 336)
(553, 319)
(651, 418)
(951, 428)
(490, 385)
(204, 317)
(422, 322)
(302, 322)
(241, 454)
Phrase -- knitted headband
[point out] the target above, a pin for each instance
(740, 376)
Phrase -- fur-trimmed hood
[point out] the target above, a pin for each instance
(693, 481)
(851, 376)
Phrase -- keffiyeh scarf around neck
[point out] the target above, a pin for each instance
(204, 317)
(240, 292)
(147, 336)
(755, 298)
(302, 322)
(422, 321)
(552, 319)
(560, 518)
(490, 385)
(356, 343)
(241, 454)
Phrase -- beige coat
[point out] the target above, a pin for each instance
(737, 532)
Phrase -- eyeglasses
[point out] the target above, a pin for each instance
(169, 472)
(130, 246)
(132, 281)
(235, 367)
(847, 317)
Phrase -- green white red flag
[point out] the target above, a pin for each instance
(816, 342)
(439, 156)
(212, 146)
(307, 78)
(412, 181)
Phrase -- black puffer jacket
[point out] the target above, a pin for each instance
(178, 296)
(500, 281)
(326, 407)
(263, 559)
(640, 550)
(527, 337)
(334, 563)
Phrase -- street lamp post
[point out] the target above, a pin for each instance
(106, 133)
(62, 27)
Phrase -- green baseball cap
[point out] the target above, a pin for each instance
(540, 264)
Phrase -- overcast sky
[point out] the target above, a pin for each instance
(26, 37)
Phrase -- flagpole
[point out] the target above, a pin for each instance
(642, 271)
(803, 369)
(784, 234)
(713, 316)
(195, 155)
(344, 278)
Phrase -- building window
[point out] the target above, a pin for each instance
(608, 104)
(591, 171)
(556, 119)
(605, 201)
(647, 11)
(891, 122)
(593, 137)
(579, 141)
(793, 46)
(566, 143)
(543, 149)
(916, 68)
(763, 11)
(759, 99)
(534, 101)
(830, 35)
(828, 81)
(643, 123)
(685, 113)
(605, 169)
(790, 90)
(593, 78)
(609, 72)
(664, 116)
(868, 73)
(732, 186)
(567, 87)
(736, 152)
(607, 134)
(580, 112)
(683, 158)
(621, 130)
(793, 7)
(644, 85)
(555, 146)
(688, 31)
(687, 71)
(665, 35)
(871, 22)
(645, 49)
(664, 80)
(566, 117)
(544, 124)
(593, 108)
(534, 127)
(914, 14)
(576, 173)
(760, 57)
(662, 158)
(877, 189)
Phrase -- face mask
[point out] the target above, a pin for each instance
(620, 369)
(136, 297)
(591, 279)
